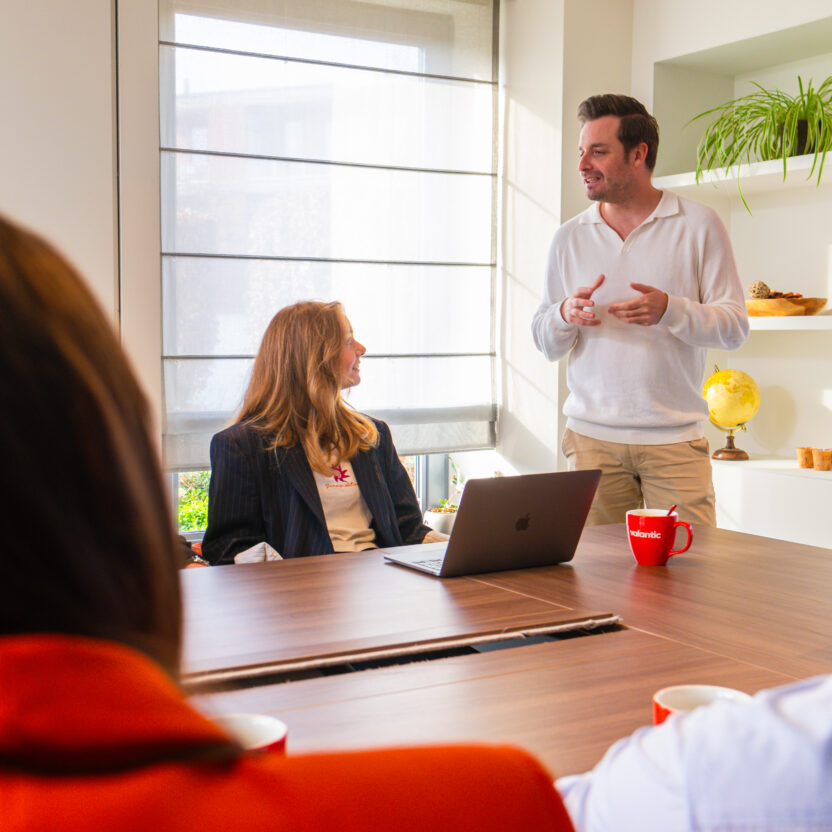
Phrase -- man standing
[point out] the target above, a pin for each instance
(638, 288)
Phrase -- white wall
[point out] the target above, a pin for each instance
(597, 60)
(59, 152)
(531, 77)
(141, 282)
(553, 55)
(57, 145)
(664, 29)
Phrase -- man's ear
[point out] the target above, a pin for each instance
(638, 154)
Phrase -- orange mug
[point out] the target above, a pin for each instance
(652, 534)
(255, 732)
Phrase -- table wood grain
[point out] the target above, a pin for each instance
(768, 602)
(243, 621)
(565, 701)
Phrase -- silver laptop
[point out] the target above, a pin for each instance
(508, 523)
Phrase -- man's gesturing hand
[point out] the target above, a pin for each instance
(573, 311)
(645, 310)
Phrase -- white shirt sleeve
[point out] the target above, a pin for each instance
(258, 553)
(719, 320)
(638, 786)
(552, 335)
(434, 536)
(764, 766)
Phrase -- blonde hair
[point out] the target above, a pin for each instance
(294, 394)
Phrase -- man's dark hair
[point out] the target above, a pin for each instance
(637, 125)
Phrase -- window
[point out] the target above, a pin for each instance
(191, 499)
(340, 150)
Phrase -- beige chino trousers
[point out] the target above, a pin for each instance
(645, 476)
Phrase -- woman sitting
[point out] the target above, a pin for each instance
(300, 470)
(94, 732)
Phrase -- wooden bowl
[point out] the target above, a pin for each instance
(784, 306)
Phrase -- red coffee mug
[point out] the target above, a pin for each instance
(255, 732)
(652, 533)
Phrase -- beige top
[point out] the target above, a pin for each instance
(347, 516)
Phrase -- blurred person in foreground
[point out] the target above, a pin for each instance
(301, 472)
(94, 730)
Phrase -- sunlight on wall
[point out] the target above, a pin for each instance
(531, 214)
(531, 189)
(529, 227)
(532, 160)
(521, 303)
(828, 292)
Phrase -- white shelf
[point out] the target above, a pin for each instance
(791, 323)
(759, 177)
(756, 178)
(769, 496)
(772, 465)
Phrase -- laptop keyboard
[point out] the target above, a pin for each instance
(434, 564)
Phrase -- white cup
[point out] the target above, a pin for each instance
(682, 698)
(255, 732)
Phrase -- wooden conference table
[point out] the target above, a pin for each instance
(764, 601)
(565, 701)
(261, 620)
(738, 610)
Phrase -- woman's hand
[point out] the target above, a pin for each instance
(435, 537)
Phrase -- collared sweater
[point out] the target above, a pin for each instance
(642, 384)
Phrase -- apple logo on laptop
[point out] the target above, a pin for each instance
(522, 523)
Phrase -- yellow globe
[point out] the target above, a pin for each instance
(732, 397)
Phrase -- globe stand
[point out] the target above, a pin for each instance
(729, 452)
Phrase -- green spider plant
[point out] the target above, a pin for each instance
(767, 124)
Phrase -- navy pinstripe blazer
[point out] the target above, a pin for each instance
(257, 494)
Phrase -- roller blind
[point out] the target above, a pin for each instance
(330, 150)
